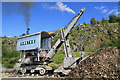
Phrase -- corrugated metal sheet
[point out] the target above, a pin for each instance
(46, 43)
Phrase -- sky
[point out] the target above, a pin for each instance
(50, 16)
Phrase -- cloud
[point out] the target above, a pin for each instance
(107, 11)
(112, 11)
(103, 9)
(45, 5)
(117, 12)
(59, 6)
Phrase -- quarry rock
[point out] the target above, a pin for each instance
(104, 63)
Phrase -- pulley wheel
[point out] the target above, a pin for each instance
(23, 70)
(42, 71)
(32, 70)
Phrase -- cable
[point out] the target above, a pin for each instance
(83, 18)
(67, 23)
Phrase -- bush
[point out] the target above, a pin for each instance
(53, 65)
(9, 58)
(118, 19)
(98, 22)
(104, 21)
(84, 23)
(87, 53)
(113, 18)
(113, 42)
(58, 58)
(92, 21)
(23, 34)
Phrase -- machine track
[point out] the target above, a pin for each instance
(13, 73)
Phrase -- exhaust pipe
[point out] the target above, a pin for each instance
(28, 31)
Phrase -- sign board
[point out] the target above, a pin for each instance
(29, 43)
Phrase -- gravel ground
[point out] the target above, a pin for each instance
(105, 63)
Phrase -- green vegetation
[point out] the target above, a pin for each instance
(92, 21)
(84, 23)
(98, 22)
(9, 58)
(23, 34)
(56, 37)
(58, 59)
(118, 19)
(104, 21)
(54, 65)
(113, 18)
(113, 42)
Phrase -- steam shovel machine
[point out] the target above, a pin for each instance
(29, 62)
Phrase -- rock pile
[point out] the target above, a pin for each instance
(105, 63)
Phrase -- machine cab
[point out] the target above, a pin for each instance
(27, 45)
(41, 40)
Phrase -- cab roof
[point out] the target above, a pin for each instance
(44, 34)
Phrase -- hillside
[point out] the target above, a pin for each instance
(86, 38)
(9, 42)
(91, 37)
(9, 54)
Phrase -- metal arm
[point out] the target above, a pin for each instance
(64, 41)
(51, 53)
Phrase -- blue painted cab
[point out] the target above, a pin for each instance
(41, 40)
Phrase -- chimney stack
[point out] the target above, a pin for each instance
(28, 31)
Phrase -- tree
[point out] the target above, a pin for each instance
(15, 36)
(84, 23)
(98, 22)
(23, 34)
(118, 19)
(92, 21)
(5, 37)
(103, 21)
(112, 18)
